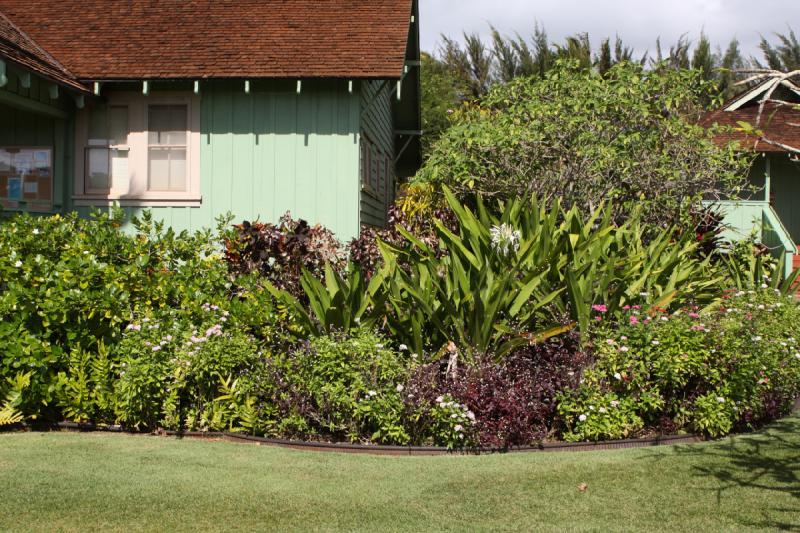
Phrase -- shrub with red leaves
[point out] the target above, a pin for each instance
(709, 228)
(281, 252)
(364, 249)
(513, 400)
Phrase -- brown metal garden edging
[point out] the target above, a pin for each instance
(663, 440)
(401, 450)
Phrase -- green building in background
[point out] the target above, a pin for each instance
(197, 108)
(773, 212)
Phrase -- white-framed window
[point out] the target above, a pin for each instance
(167, 139)
(106, 151)
(139, 150)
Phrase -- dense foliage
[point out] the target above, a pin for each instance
(281, 252)
(466, 69)
(496, 325)
(69, 285)
(733, 367)
(629, 137)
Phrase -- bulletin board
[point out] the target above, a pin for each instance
(26, 177)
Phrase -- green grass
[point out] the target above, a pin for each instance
(83, 482)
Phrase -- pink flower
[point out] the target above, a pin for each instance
(600, 308)
(694, 315)
(634, 320)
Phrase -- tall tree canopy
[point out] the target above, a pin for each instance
(466, 70)
(629, 136)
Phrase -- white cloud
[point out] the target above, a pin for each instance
(637, 22)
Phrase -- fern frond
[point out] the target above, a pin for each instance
(9, 413)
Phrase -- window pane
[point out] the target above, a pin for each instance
(157, 122)
(167, 124)
(177, 169)
(120, 173)
(177, 125)
(159, 169)
(98, 126)
(118, 125)
(97, 171)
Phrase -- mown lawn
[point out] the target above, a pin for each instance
(81, 482)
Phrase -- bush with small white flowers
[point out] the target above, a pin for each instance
(735, 366)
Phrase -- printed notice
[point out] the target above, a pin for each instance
(41, 159)
(14, 188)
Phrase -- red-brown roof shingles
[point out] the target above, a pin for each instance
(17, 47)
(191, 39)
(779, 123)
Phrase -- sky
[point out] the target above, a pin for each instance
(638, 22)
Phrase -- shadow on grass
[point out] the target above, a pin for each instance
(765, 461)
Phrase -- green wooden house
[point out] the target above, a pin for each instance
(197, 108)
(773, 212)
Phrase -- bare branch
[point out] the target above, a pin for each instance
(776, 79)
(790, 149)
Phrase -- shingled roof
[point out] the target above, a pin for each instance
(777, 123)
(99, 40)
(780, 123)
(16, 46)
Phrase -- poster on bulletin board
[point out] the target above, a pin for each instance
(14, 189)
(26, 177)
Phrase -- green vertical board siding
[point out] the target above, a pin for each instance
(742, 218)
(272, 151)
(377, 124)
(757, 179)
(786, 192)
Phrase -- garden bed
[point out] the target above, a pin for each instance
(498, 353)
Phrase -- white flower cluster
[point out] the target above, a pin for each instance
(602, 410)
(457, 413)
(505, 239)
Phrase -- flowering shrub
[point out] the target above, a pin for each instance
(432, 415)
(735, 366)
(451, 423)
(172, 369)
(69, 285)
(336, 387)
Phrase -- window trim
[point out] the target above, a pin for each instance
(137, 193)
(109, 147)
(368, 151)
(168, 148)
